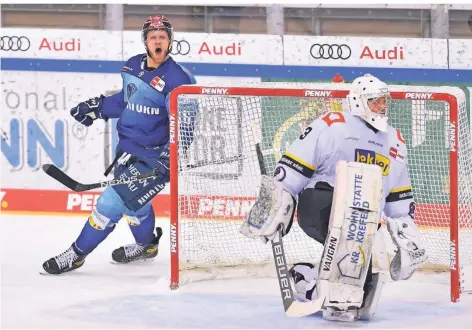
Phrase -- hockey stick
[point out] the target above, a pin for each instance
(216, 162)
(292, 307)
(73, 185)
(70, 183)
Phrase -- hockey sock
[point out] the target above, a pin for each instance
(142, 227)
(90, 237)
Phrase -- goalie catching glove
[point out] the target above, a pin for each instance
(411, 253)
(273, 209)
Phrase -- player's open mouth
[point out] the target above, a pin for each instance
(158, 51)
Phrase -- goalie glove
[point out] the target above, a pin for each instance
(273, 209)
(411, 253)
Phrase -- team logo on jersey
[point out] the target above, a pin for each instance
(333, 117)
(131, 89)
(158, 84)
(373, 158)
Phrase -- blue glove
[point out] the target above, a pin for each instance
(163, 164)
(86, 112)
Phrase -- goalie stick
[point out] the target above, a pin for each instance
(76, 186)
(292, 307)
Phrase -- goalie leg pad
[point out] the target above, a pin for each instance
(372, 296)
(353, 224)
(274, 208)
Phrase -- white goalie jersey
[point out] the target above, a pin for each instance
(342, 136)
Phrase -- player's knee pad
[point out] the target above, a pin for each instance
(304, 277)
(109, 208)
(99, 221)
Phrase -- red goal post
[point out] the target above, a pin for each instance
(421, 99)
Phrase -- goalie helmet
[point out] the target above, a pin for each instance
(157, 23)
(368, 99)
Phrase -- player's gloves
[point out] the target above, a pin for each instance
(86, 112)
(163, 164)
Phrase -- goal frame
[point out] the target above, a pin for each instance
(455, 271)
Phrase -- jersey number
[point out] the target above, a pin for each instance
(305, 133)
(333, 117)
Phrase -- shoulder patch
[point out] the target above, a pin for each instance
(333, 117)
(400, 137)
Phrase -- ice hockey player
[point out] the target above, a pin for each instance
(143, 129)
(306, 175)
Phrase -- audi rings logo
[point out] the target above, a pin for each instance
(334, 51)
(180, 47)
(15, 43)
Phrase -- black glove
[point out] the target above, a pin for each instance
(86, 112)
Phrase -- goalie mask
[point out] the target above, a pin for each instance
(368, 99)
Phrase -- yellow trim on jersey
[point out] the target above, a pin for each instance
(395, 190)
(301, 162)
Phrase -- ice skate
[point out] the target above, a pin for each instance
(135, 251)
(64, 262)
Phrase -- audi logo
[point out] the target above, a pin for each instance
(180, 47)
(15, 43)
(334, 51)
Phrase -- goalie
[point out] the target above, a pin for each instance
(345, 170)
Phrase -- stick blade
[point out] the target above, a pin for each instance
(60, 176)
(299, 308)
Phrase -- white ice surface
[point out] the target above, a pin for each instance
(101, 295)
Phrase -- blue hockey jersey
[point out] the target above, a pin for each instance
(142, 105)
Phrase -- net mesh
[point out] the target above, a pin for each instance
(219, 177)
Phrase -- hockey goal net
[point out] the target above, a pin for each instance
(215, 179)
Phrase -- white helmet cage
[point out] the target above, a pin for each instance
(365, 89)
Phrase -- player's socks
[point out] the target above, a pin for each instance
(91, 236)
